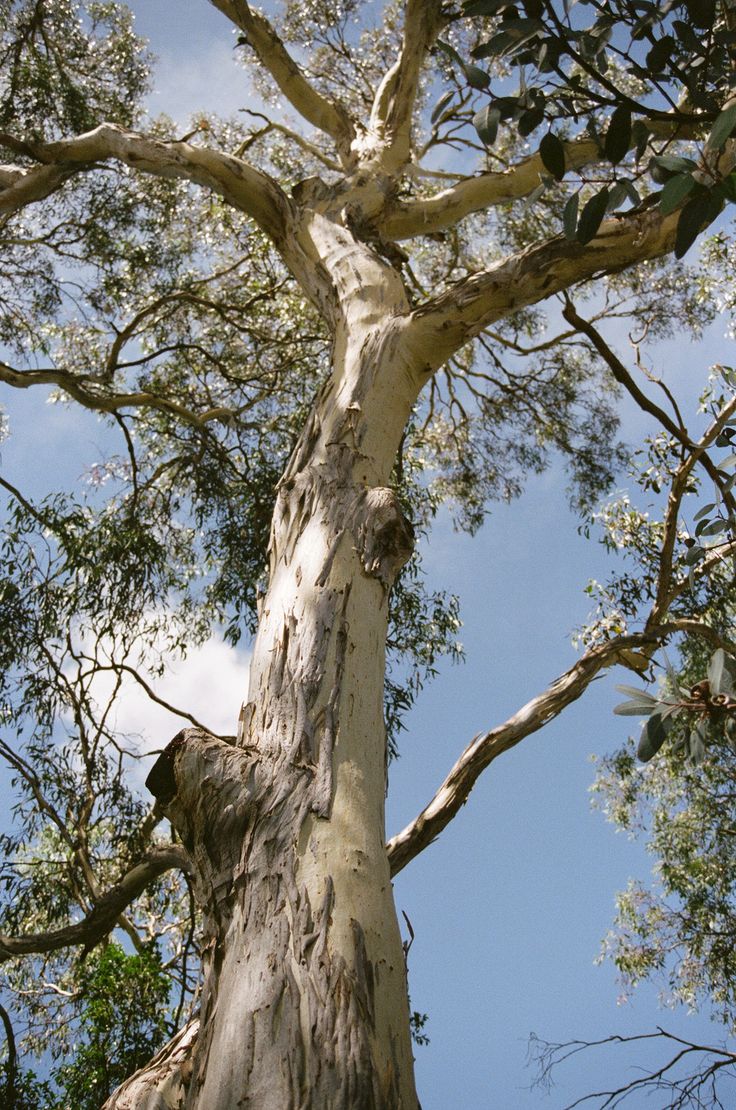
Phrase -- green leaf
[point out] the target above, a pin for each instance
(476, 77)
(635, 692)
(483, 7)
(618, 194)
(716, 668)
(639, 138)
(704, 511)
(440, 106)
(530, 121)
(449, 50)
(660, 54)
(618, 136)
(712, 527)
(700, 211)
(722, 128)
(631, 191)
(552, 153)
(486, 123)
(570, 217)
(663, 166)
(537, 193)
(697, 745)
(591, 216)
(676, 189)
(653, 736)
(634, 708)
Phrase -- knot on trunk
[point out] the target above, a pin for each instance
(385, 538)
(207, 789)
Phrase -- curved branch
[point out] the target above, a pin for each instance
(444, 324)
(454, 791)
(105, 913)
(20, 186)
(249, 190)
(395, 98)
(322, 113)
(109, 402)
(246, 188)
(472, 194)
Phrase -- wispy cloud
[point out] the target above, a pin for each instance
(210, 684)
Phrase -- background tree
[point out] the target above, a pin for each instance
(287, 358)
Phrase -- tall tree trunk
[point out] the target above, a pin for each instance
(304, 1001)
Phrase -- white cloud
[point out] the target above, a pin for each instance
(210, 684)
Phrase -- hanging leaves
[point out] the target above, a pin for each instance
(618, 136)
(440, 106)
(552, 153)
(700, 211)
(486, 123)
(653, 736)
(570, 217)
(591, 216)
(722, 128)
(675, 191)
(710, 703)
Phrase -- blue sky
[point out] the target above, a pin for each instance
(510, 905)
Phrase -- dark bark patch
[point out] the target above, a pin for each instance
(161, 781)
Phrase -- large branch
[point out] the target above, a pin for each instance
(102, 918)
(249, 190)
(473, 194)
(322, 113)
(444, 324)
(246, 188)
(454, 791)
(21, 185)
(393, 106)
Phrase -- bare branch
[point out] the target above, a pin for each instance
(324, 114)
(454, 791)
(622, 376)
(100, 401)
(103, 917)
(666, 592)
(421, 217)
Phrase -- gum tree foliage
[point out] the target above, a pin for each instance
(673, 784)
(301, 332)
(619, 72)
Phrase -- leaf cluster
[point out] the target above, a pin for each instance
(631, 77)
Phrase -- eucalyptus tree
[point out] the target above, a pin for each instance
(303, 334)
